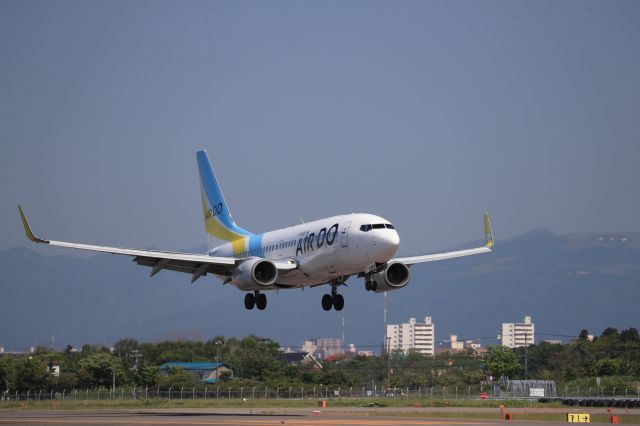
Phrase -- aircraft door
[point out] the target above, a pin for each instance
(280, 246)
(344, 234)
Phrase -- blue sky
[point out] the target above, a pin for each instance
(427, 113)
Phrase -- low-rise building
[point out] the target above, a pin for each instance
(456, 345)
(296, 358)
(209, 372)
(322, 348)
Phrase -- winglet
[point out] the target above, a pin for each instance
(27, 229)
(488, 235)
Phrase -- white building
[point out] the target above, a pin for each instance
(323, 347)
(518, 335)
(456, 345)
(420, 337)
(473, 345)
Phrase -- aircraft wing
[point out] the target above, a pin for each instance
(195, 264)
(488, 246)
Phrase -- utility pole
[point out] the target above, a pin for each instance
(217, 343)
(385, 309)
(388, 361)
(526, 355)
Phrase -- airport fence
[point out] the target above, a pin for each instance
(444, 393)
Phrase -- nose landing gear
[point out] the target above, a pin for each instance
(257, 299)
(370, 285)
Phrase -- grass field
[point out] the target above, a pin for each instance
(69, 404)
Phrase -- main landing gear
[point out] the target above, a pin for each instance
(334, 300)
(257, 299)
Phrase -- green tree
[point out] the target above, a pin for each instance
(31, 374)
(65, 381)
(147, 376)
(7, 370)
(630, 335)
(502, 361)
(178, 378)
(607, 367)
(98, 369)
(254, 358)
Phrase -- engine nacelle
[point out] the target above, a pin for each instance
(393, 277)
(254, 273)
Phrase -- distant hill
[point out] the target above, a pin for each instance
(566, 282)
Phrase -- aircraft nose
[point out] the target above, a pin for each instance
(391, 242)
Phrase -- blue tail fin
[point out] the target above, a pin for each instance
(217, 218)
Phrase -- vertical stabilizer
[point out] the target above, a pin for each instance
(217, 219)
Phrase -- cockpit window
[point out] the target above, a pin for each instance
(368, 227)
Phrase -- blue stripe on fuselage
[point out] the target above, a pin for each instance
(255, 245)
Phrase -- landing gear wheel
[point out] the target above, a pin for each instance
(367, 285)
(249, 301)
(374, 285)
(338, 302)
(261, 301)
(327, 302)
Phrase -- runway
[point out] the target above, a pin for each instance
(294, 417)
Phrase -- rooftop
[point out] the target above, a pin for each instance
(192, 365)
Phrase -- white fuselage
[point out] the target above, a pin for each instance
(325, 249)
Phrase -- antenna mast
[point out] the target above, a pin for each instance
(385, 308)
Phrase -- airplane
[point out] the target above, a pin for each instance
(322, 252)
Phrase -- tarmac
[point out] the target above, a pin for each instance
(264, 416)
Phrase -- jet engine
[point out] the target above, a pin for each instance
(393, 277)
(254, 273)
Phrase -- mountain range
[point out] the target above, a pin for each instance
(565, 282)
